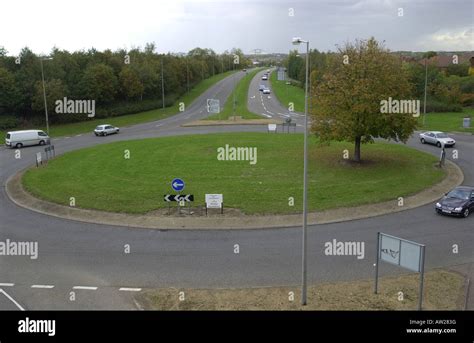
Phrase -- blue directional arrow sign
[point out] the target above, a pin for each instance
(177, 184)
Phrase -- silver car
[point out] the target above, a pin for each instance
(106, 129)
(437, 138)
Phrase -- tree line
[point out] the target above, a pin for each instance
(120, 82)
(448, 89)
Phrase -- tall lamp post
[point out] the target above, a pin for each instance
(297, 41)
(162, 83)
(44, 92)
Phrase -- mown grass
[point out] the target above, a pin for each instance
(443, 290)
(447, 121)
(287, 93)
(101, 178)
(240, 93)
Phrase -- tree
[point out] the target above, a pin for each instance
(55, 90)
(99, 83)
(130, 84)
(9, 94)
(347, 102)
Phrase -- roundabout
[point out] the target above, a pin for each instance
(77, 254)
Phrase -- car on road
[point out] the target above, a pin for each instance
(19, 139)
(264, 77)
(458, 202)
(266, 91)
(106, 129)
(261, 87)
(437, 138)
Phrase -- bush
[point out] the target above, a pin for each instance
(8, 122)
(438, 106)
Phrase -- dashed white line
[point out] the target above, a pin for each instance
(266, 115)
(79, 135)
(7, 284)
(158, 125)
(12, 300)
(126, 289)
(89, 288)
(42, 286)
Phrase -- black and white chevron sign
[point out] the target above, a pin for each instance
(178, 197)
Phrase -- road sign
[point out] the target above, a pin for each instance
(178, 197)
(213, 106)
(272, 128)
(403, 253)
(214, 200)
(177, 184)
(39, 160)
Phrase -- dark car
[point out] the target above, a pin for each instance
(458, 202)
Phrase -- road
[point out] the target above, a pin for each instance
(78, 257)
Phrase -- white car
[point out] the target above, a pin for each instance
(106, 129)
(19, 139)
(266, 91)
(264, 77)
(437, 138)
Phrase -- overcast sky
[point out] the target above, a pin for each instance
(179, 25)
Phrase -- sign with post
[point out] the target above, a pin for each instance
(178, 197)
(39, 159)
(272, 128)
(213, 106)
(214, 201)
(177, 184)
(403, 253)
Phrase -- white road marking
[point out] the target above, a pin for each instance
(79, 135)
(125, 289)
(7, 284)
(266, 115)
(159, 125)
(67, 137)
(89, 288)
(271, 113)
(12, 300)
(42, 286)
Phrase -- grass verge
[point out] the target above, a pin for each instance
(240, 92)
(447, 121)
(443, 290)
(101, 178)
(131, 119)
(287, 93)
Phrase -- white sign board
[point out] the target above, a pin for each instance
(213, 106)
(400, 252)
(38, 157)
(214, 200)
(272, 127)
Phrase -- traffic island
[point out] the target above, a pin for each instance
(232, 218)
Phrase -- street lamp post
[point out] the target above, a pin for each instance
(162, 84)
(44, 93)
(297, 41)
(426, 82)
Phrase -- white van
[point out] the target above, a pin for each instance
(19, 139)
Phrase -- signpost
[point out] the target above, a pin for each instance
(39, 159)
(403, 253)
(272, 128)
(213, 106)
(178, 197)
(215, 201)
(177, 184)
